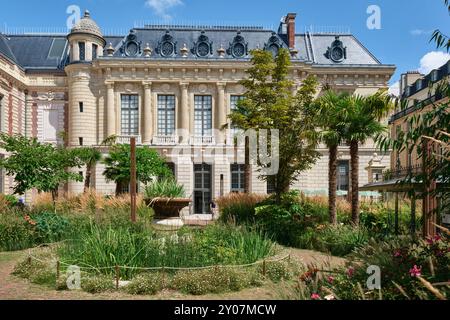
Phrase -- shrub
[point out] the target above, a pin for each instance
(50, 227)
(43, 276)
(97, 284)
(166, 188)
(378, 219)
(218, 280)
(410, 269)
(276, 271)
(338, 240)
(145, 284)
(16, 233)
(195, 282)
(38, 270)
(239, 207)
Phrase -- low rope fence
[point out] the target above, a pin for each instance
(117, 268)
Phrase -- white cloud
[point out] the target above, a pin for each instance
(162, 6)
(433, 60)
(395, 89)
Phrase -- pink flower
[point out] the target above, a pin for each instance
(330, 279)
(397, 253)
(350, 272)
(434, 239)
(315, 296)
(415, 271)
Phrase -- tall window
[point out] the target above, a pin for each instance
(82, 49)
(130, 115)
(166, 115)
(233, 106)
(203, 115)
(237, 178)
(343, 176)
(270, 185)
(94, 51)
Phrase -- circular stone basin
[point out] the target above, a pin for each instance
(171, 223)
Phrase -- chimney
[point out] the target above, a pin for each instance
(290, 22)
(408, 79)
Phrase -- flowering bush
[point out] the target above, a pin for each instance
(148, 283)
(409, 270)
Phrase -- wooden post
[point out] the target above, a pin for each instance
(29, 260)
(133, 179)
(58, 266)
(429, 199)
(396, 214)
(413, 215)
(264, 271)
(117, 277)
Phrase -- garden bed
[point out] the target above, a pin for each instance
(186, 261)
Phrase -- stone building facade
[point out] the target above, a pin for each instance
(172, 88)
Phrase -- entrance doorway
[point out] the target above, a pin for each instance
(202, 188)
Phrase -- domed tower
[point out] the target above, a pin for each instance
(86, 40)
(86, 45)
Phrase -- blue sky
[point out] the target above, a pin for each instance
(403, 40)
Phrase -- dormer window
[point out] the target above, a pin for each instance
(82, 49)
(203, 47)
(238, 48)
(274, 45)
(131, 46)
(434, 75)
(419, 85)
(167, 47)
(337, 52)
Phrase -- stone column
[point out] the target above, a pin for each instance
(184, 114)
(221, 118)
(110, 111)
(147, 121)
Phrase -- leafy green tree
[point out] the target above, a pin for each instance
(441, 39)
(149, 164)
(89, 157)
(362, 117)
(36, 165)
(328, 111)
(270, 103)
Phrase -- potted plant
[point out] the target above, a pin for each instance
(167, 198)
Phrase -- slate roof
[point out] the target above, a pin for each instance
(39, 52)
(218, 36)
(5, 50)
(50, 52)
(313, 47)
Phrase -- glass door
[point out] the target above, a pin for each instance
(202, 188)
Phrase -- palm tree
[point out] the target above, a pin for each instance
(89, 157)
(328, 111)
(363, 116)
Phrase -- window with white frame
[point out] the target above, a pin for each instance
(166, 115)
(234, 99)
(238, 178)
(130, 115)
(203, 115)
